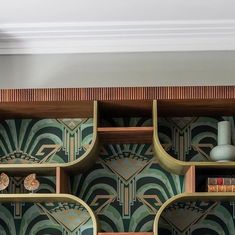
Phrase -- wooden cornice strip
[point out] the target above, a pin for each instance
(117, 93)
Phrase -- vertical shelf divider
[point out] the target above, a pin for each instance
(62, 180)
(190, 180)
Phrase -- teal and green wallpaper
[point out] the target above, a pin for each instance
(126, 187)
(44, 140)
(58, 218)
(198, 218)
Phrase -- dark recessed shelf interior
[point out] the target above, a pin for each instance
(127, 108)
(203, 173)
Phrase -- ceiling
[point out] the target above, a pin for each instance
(116, 43)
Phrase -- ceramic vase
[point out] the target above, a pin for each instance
(224, 151)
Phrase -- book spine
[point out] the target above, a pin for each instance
(221, 188)
(221, 181)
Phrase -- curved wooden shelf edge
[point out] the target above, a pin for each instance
(52, 197)
(190, 197)
(165, 160)
(88, 158)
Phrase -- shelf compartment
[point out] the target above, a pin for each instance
(47, 138)
(125, 108)
(175, 165)
(55, 212)
(202, 173)
(126, 122)
(212, 199)
(125, 134)
(61, 178)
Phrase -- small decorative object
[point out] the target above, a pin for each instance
(224, 152)
(30, 183)
(4, 181)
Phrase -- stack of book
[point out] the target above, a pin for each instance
(219, 184)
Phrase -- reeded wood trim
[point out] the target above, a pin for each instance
(117, 93)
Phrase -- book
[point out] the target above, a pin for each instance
(221, 188)
(220, 181)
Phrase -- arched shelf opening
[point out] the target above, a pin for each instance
(183, 212)
(54, 213)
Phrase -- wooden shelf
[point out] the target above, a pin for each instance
(26, 169)
(47, 109)
(196, 107)
(126, 135)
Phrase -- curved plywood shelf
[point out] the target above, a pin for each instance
(52, 198)
(174, 165)
(80, 164)
(165, 160)
(191, 197)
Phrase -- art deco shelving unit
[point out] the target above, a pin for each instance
(116, 102)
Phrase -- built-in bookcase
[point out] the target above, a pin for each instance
(114, 160)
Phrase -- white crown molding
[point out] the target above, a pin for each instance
(98, 37)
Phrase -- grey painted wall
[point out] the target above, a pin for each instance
(120, 69)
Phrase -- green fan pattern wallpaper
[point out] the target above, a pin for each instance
(44, 140)
(44, 218)
(199, 218)
(191, 139)
(125, 187)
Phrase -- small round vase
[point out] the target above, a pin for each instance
(224, 152)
